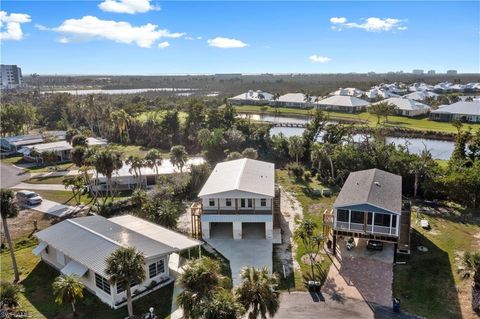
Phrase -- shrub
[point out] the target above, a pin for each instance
(295, 170)
(9, 294)
(471, 260)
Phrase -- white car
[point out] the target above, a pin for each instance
(29, 198)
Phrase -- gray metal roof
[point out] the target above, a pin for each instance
(343, 100)
(405, 104)
(374, 187)
(89, 240)
(244, 174)
(467, 108)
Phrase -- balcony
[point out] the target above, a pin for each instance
(368, 228)
(236, 212)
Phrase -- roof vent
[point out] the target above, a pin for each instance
(377, 184)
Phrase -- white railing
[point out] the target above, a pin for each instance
(369, 229)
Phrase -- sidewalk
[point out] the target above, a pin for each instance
(41, 187)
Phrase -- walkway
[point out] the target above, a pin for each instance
(41, 187)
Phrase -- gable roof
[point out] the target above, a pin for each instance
(467, 108)
(244, 174)
(406, 104)
(254, 95)
(89, 240)
(343, 100)
(295, 98)
(374, 187)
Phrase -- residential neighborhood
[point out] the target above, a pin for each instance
(244, 159)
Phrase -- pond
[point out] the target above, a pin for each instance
(119, 91)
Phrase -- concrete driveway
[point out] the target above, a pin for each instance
(244, 252)
(53, 208)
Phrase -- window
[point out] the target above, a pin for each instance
(228, 202)
(250, 202)
(242, 202)
(342, 215)
(102, 283)
(263, 202)
(156, 268)
(382, 220)
(211, 202)
(121, 288)
(357, 217)
(394, 221)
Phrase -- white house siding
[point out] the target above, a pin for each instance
(221, 204)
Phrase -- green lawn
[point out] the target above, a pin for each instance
(46, 180)
(134, 150)
(36, 298)
(421, 124)
(427, 284)
(313, 208)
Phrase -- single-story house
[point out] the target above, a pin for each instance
(126, 179)
(80, 246)
(348, 92)
(295, 100)
(407, 107)
(377, 92)
(349, 104)
(239, 196)
(462, 111)
(15, 143)
(61, 148)
(251, 98)
(421, 95)
(369, 206)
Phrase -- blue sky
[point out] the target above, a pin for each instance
(158, 37)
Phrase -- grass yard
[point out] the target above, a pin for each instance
(313, 208)
(37, 299)
(46, 180)
(421, 124)
(429, 284)
(134, 150)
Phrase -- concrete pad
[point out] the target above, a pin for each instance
(44, 187)
(54, 208)
(244, 252)
(360, 250)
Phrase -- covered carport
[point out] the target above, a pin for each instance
(253, 230)
(221, 230)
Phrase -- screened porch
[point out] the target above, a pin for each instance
(366, 222)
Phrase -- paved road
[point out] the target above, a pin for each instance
(10, 175)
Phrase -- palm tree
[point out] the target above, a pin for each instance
(124, 266)
(106, 162)
(258, 292)
(223, 305)
(295, 147)
(178, 156)
(136, 164)
(9, 209)
(153, 159)
(121, 120)
(67, 289)
(200, 281)
(321, 151)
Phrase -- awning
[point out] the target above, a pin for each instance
(74, 268)
(38, 250)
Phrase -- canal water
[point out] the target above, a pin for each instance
(439, 149)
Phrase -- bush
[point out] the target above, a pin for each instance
(9, 294)
(471, 260)
(295, 170)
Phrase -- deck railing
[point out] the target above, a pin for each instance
(374, 229)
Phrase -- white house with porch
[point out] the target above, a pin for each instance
(80, 246)
(370, 206)
(238, 197)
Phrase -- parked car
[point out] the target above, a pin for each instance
(28, 197)
(374, 245)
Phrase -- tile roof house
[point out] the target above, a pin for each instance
(80, 246)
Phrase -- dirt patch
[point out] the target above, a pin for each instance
(308, 261)
(184, 222)
(22, 225)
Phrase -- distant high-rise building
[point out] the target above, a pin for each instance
(431, 72)
(418, 72)
(10, 77)
(452, 72)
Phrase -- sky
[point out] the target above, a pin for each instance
(147, 37)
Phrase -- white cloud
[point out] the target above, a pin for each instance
(163, 45)
(10, 25)
(199, 38)
(90, 27)
(338, 20)
(41, 27)
(127, 6)
(226, 43)
(371, 24)
(319, 59)
(64, 40)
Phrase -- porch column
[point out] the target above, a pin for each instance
(334, 246)
(391, 220)
(373, 222)
(237, 230)
(236, 205)
(206, 230)
(218, 205)
(268, 230)
(349, 218)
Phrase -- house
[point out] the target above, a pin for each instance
(15, 143)
(349, 104)
(80, 246)
(295, 100)
(62, 149)
(251, 98)
(239, 196)
(349, 92)
(421, 95)
(369, 206)
(377, 92)
(461, 111)
(127, 179)
(407, 107)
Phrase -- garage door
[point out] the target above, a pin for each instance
(221, 230)
(253, 230)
